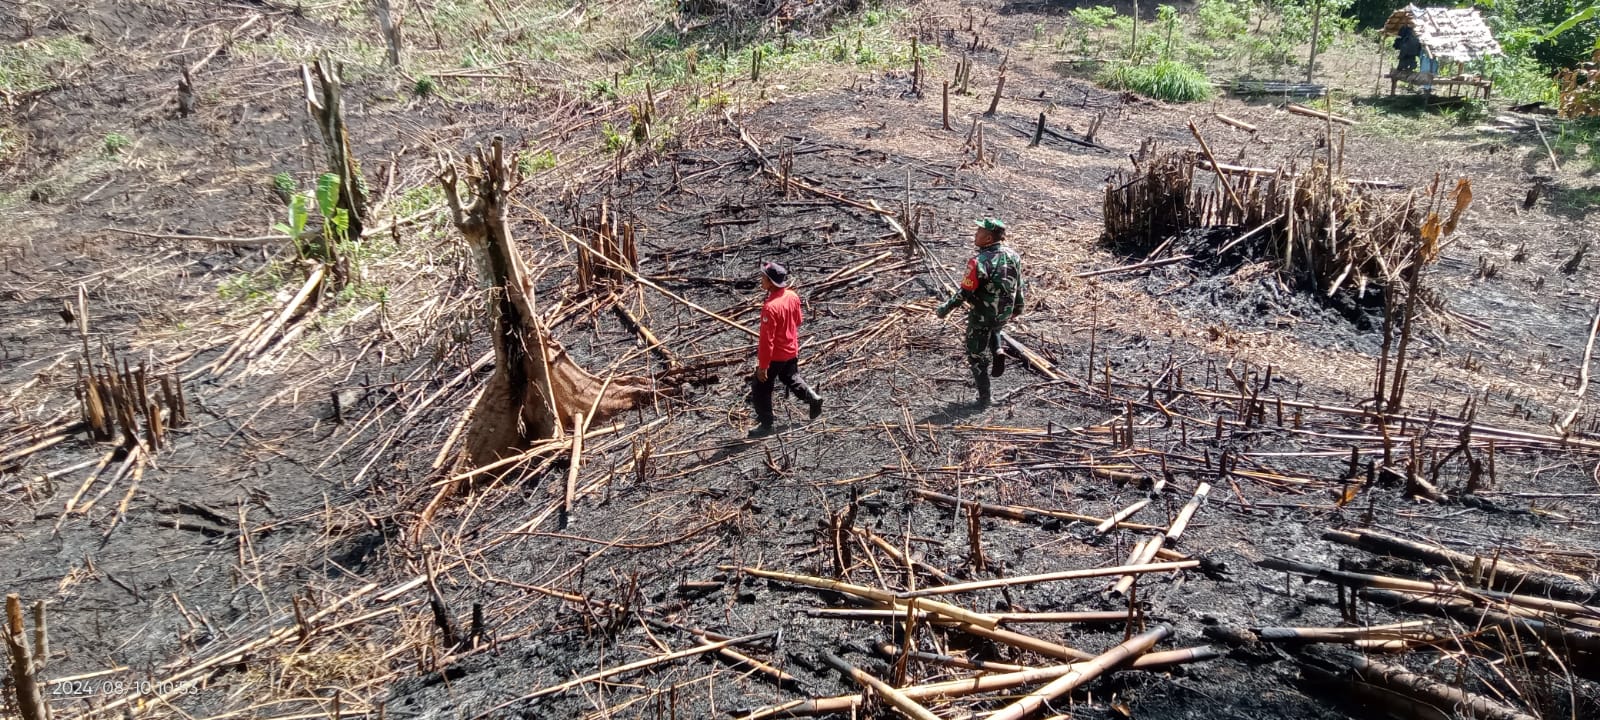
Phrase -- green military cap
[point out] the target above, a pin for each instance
(990, 223)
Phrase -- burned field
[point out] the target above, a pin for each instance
(1185, 501)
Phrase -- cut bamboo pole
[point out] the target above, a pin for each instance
(1123, 514)
(896, 699)
(573, 467)
(1025, 642)
(1465, 611)
(1049, 577)
(1583, 371)
(1096, 616)
(962, 615)
(620, 669)
(1235, 122)
(642, 280)
(1181, 523)
(1084, 672)
(1504, 572)
(1019, 512)
(30, 700)
(972, 685)
(1299, 109)
(313, 282)
(1431, 691)
(1362, 580)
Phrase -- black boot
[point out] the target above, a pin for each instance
(760, 431)
(816, 408)
(981, 379)
(999, 366)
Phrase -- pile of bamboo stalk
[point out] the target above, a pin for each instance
(612, 239)
(1323, 231)
(1531, 623)
(114, 397)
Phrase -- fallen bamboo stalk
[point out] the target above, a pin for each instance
(896, 699)
(1269, 172)
(1004, 617)
(1024, 642)
(266, 240)
(1507, 573)
(911, 564)
(1235, 122)
(1438, 422)
(1263, 226)
(1029, 704)
(962, 615)
(312, 282)
(972, 685)
(1362, 580)
(1049, 577)
(1186, 514)
(1583, 371)
(1148, 264)
(1123, 514)
(642, 280)
(1418, 630)
(1435, 693)
(1302, 110)
(1474, 616)
(1233, 196)
(891, 651)
(637, 665)
(44, 444)
(1019, 512)
(573, 466)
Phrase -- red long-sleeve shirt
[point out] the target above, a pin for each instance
(780, 328)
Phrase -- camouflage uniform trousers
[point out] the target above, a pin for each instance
(983, 341)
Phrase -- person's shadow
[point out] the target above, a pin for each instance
(952, 413)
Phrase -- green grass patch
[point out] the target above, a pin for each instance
(34, 64)
(1168, 80)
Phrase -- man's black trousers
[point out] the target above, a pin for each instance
(789, 372)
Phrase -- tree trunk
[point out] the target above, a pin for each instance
(536, 387)
(30, 701)
(325, 103)
(390, 29)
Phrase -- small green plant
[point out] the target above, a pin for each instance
(425, 87)
(615, 141)
(284, 186)
(533, 163)
(115, 143)
(1085, 24)
(1168, 80)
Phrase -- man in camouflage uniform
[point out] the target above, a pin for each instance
(993, 290)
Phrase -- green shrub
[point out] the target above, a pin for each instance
(115, 143)
(1168, 80)
(1519, 78)
(532, 163)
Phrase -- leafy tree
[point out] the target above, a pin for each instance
(1555, 33)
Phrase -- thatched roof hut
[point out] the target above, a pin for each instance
(1448, 34)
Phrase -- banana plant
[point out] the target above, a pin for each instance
(335, 219)
(1584, 15)
(299, 212)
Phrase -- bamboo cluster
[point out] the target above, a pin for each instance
(115, 397)
(611, 239)
(1323, 231)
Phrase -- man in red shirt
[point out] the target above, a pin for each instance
(778, 351)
